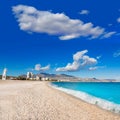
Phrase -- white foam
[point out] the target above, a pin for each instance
(91, 99)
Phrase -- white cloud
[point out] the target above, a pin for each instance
(109, 34)
(84, 12)
(93, 68)
(32, 20)
(98, 57)
(116, 54)
(80, 61)
(96, 67)
(38, 67)
(118, 20)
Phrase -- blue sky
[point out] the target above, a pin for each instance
(80, 38)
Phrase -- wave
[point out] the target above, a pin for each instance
(105, 104)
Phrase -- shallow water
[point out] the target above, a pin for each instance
(105, 95)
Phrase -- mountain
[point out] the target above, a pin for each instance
(65, 77)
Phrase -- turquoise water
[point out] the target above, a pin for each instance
(106, 95)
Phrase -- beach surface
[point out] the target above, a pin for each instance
(35, 100)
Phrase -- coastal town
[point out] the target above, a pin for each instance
(29, 76)
(51, 77)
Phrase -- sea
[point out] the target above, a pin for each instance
(103, 94)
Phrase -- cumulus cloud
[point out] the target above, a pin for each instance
(116, 54)
(38, 67)
(109, 34)
(80, 61)
(32, 20)
(118, 20)
(84, 12)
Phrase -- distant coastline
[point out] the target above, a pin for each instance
(58, 77)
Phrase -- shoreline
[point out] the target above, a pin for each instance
(37, 100)
(78, 98)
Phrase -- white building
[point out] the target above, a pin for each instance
(45, 79)
(29, 75)
(37, 78)
(4, 74)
